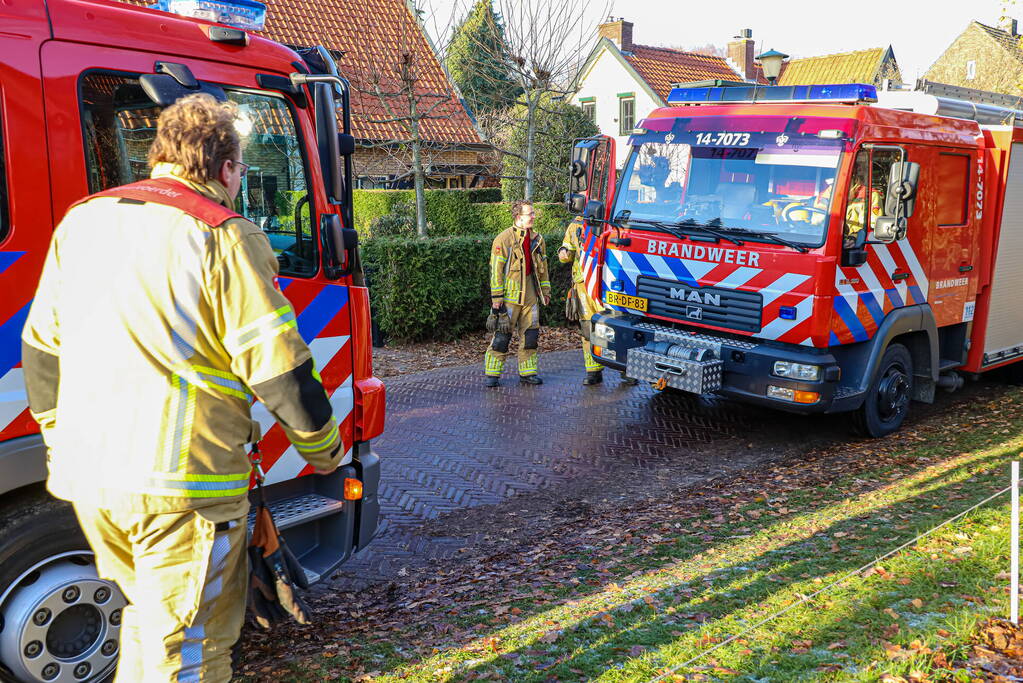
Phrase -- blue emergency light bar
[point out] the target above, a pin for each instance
(248, 15)
(844, 92)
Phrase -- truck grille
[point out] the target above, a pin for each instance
(728, 308)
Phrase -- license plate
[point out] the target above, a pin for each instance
(636, 303)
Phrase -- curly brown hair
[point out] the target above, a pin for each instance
(197, 133)
(517, 206)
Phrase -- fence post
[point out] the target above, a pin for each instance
(1014, 550)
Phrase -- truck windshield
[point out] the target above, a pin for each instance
(758, 177)
(120, 124)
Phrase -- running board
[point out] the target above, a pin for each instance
(292, 512)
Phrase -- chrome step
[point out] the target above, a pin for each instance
(292, 512)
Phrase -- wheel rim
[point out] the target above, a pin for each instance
(60, 622)
(893, 393)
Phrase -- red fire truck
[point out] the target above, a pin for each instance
(816, 249)
(81, 85)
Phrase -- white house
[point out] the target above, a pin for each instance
(621, 82)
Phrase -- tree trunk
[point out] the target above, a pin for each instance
(532, 100)
(418, 172)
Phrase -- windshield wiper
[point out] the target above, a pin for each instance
(771, 237)
(672, 228)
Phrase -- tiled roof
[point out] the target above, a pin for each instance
(369, 33)
(861, 66)
(1003, 38)
(662, 67)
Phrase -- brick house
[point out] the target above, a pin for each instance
(984, 58)
(366, 39)
(621, 81)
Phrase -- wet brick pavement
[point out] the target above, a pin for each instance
(450, 443)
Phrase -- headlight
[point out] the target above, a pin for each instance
(783, 368)
(605, 332)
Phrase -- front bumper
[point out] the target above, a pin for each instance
(700, 362)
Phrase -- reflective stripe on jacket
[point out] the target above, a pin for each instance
(149, 336)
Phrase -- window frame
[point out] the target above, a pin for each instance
(622, 101)
(589, 108)
(314, 212)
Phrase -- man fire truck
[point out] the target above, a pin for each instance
(816, 249)
(81, 86)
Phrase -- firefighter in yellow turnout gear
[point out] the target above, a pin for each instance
(519, 284)
(571, 251)
(155, 323)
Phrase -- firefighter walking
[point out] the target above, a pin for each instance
(156, 322)
(519, 284)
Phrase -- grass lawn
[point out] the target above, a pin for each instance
(633, 600)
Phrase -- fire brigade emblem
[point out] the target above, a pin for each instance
(782, 139)
(669, 138)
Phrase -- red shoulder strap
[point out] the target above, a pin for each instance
(172, 193)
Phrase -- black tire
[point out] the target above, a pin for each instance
(888, 397)
(34, 528)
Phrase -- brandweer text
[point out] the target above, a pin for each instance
(702, 253)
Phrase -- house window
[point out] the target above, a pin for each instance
(626, 114)
(589, 110)
(971, 69)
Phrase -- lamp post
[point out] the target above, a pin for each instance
(770, 62)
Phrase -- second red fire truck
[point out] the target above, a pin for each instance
(815, 249)
(81, 85)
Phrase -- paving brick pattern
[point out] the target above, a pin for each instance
(450, 443)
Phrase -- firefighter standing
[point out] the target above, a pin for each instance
(155, 323)
(571, 251)
(519, 284)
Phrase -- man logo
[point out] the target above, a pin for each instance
(695, 297)
(694, 312)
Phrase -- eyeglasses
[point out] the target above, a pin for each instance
(241, 165)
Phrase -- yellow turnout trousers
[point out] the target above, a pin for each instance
(589, 308)
(525, 320)
(184, 575)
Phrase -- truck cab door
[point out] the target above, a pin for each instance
(592, 182)
(282, 193)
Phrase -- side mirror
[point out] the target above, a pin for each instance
(889, 229)
(576, 203)
(594, 210)
(577, 174)
(328, 143)
(340, 245)
(902, 184)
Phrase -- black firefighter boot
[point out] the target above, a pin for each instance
(492, 381)
(593, 377)
(530, 379)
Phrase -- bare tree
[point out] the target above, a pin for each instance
(411, 89)
(545, 44)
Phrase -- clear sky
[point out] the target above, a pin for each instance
(918, 31)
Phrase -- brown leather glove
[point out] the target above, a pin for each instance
(274, 574)
(573, 308)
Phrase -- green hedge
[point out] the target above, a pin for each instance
(391, 213)
(442, 206)
(438, 288)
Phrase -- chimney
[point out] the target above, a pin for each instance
(619, 31)
(740, 51)
(1009, 26)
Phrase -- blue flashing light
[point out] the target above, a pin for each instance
(787, 312)
(248, 15)
(841, 92)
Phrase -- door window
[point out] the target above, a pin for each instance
(120, 124)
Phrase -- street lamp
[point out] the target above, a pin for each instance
(770, 62)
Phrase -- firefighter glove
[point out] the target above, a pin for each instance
(498, 321)
(274, 575)
(573, 308)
